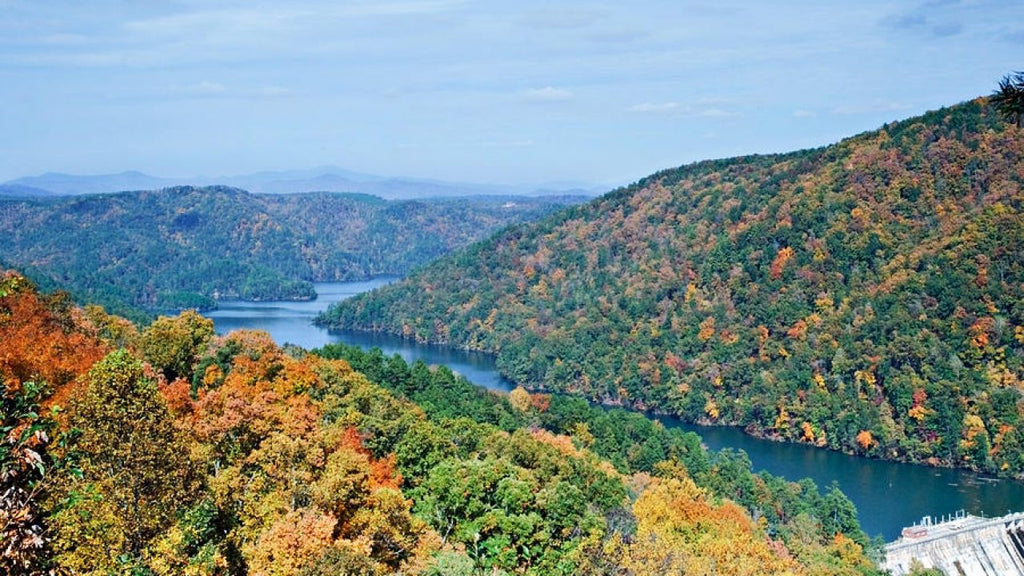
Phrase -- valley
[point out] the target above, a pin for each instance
(435, 288)
(186, 247)
(869, 483)
(842, 298)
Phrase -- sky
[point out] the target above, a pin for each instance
(474, 91)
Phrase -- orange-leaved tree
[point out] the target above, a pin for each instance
(43, 348)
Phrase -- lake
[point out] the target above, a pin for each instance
(888, 495)
(292, 323)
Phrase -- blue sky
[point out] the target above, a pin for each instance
(501, 92)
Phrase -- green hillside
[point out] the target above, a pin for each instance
(867, 296)
(182, 247)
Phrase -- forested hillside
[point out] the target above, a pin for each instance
(184, 247)
(172, 451)
(867, 296)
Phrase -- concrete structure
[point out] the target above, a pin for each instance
(962, 545)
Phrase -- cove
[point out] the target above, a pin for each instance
(888, 495)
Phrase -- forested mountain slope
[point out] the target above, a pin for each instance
(180, 247)
(867, 296)
(177, 452)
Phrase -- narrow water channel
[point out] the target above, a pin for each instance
(888, 495)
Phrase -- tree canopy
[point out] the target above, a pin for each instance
(250, 459)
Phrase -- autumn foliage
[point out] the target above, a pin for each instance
(831, 284)
(44, 348)
(44, 338)
(194, 454)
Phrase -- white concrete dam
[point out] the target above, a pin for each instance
(964, 545)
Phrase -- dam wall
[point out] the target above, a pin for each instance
(964, 545)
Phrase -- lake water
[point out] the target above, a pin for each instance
(888, 495)
(292, 323)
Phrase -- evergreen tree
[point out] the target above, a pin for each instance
(1009, 98)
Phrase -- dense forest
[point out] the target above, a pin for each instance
(867, 296)
(183, 247)
(173, 451)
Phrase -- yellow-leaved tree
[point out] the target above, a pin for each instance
(131, 470)
(680, 530)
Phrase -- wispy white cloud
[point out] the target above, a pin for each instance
(227, 21)
(204, 88)
(507, 144)
(274, 91)
(716, 113)
(617, 35)
(560, 18)
(207, 90)
(548, 94)
(677, 109)
(189, 33)
(278, 17)
(803, 114)
(64, 39)
(652, 108)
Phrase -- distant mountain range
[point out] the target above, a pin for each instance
(321, 179)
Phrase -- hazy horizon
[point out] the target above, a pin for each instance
(480, 92)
